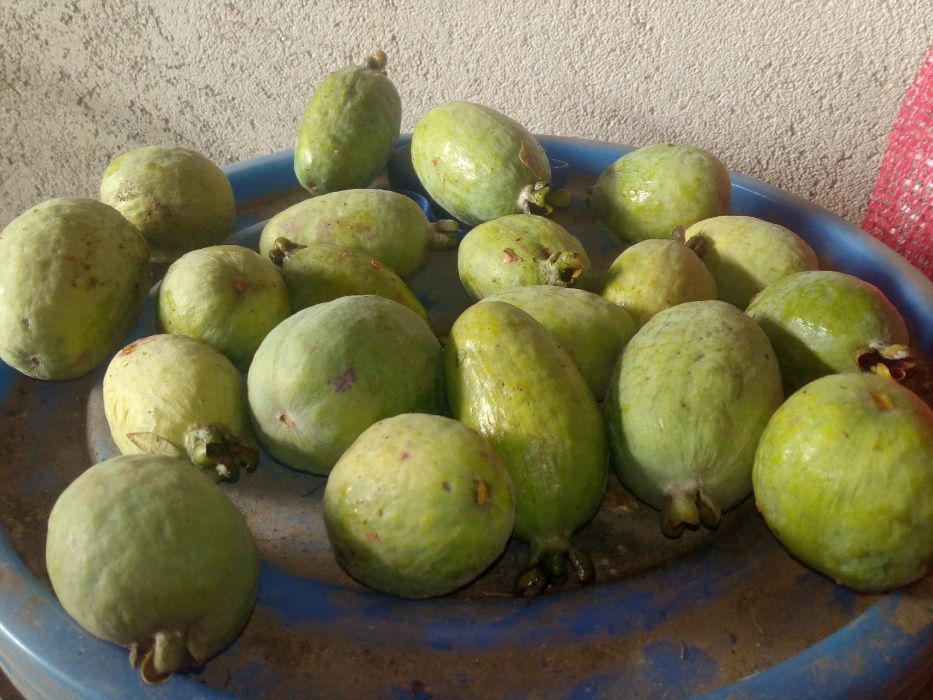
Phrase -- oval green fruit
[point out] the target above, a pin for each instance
(654, 275)
(844, 477)
(651, 191)
(745, 254)
(328, 372)
(226, 296)
(349, 128)
(509, 380)
(418, 506)
(73, 278)
(386, 225)
(687, 403)
(178, 199)
(479, 164)
(591, 329)
(146, 552)
(517, 250)
(826, 322)
(175, 396)
(323, 272)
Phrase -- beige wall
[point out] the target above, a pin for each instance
(798, 93)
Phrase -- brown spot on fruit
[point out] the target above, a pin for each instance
(129, 349)
(480, 491)
(344, 381)
(240, 285)
(882, 401)
(405, 455)
(376, 264)
(372, 536)
(510, 256)
(435, 162)
(24, 322)
(446, 486)
(35, 360)
(286, 420)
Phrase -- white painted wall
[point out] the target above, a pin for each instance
(798, 93)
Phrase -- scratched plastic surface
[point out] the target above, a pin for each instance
(718, 615)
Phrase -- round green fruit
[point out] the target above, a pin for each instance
(844, 477)
(517, 250)
(177, 198)
(746, 254)
(479, 164)
(418, 506)
(146, 552)
(687, 403)
(226, 296)
(348, 129)
(73, 278)
(328, 372)
(651, 191)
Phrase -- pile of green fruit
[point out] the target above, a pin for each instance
(674, 369)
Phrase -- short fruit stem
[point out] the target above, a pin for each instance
(283, 249)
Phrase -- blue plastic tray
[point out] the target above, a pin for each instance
(721, 615)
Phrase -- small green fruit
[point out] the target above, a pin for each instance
(146, 552)
(418, 506)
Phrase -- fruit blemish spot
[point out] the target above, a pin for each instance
(344, 381)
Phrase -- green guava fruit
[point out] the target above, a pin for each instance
(746, 254)
(175, 396)
(654, 275)
(844, 477)
(418, 506)
(691, 394)
(509, 380)
(73, 278)
(226, 296)
(521, 249)
(825, 322)
(348, 129)
(385, 225)
(177, 198)
(323, 272)
(146, 552)
(479, 164)
(328, 372)
(591, 329)
(651, 191)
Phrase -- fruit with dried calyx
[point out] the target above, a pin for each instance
(386, 225)
(226, 296)
(690, 397)
(174, 396)
(73, 278)
(323, 272)
(146, 552)
(509, 380)
(479, 164)
(827, 322)
(328, 372)
(651, 191)
(348, 129)
(178, 199)
(745, 254)
(521, 249)
(850, 496)
(418, 506)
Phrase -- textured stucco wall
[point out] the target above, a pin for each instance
(798, 93)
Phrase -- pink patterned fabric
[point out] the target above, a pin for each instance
(900, 210)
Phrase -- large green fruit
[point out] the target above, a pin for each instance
(826, 322)
(177, 198)
(226, 296)
(173, 395)
(591, 329)
(651, 191)
(324, 272)
(479, 164)
(146, 552)
(385, 225)
(654, 275)
(688, 401)
(330, 371)
(348, 129)
(73, 278)
(418, 506)
(746, 254)
(521, 249)
(844, 478)
(509, 380)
